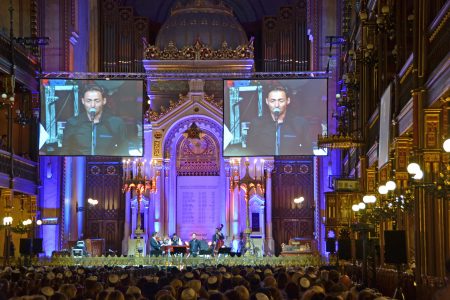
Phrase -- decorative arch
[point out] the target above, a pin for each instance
(198, 157)
(256, 206)
(178, 166)
(175, 132)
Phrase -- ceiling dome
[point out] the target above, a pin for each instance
(210, 23)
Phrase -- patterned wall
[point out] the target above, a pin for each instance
(292, 179)
(105, 220)
(285, 43)
(121, 37)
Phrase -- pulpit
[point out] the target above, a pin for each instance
(95, 247)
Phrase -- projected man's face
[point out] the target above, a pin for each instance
(277, 100)
(93, 99)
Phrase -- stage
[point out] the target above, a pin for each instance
(180, 261)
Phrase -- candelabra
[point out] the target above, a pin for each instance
(248, 183)
(135, 180)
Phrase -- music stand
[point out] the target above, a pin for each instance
(179, 250)
(205, 252)
(225, 250)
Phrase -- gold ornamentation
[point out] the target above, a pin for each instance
(440, 26)
(198, 51)
(338, 141)
(156, 148)
(153, 116)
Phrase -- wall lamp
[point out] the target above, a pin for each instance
(439, 180)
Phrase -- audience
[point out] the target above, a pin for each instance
(171, 283)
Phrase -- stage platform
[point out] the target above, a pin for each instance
(179, 261)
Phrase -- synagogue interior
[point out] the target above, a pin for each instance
(290, 140)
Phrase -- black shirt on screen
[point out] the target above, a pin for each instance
(109, 136)
(294, 136)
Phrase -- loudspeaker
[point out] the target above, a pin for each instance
(374, 248)
(395, 247)
(37, 246)
(359, 249)
(331, 245)
(26, 246)
(345, 249)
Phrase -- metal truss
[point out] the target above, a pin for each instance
(91, 75)
(185, 76)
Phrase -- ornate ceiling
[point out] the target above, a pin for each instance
(246, 11)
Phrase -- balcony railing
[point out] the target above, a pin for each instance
(23, 168)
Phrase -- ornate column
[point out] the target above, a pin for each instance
(234, 195)
(68, 211)
(171, 216)
(434, 222)
(228, 200)
(126, 225)
(420, 194)
(79, 181)
(270, 243)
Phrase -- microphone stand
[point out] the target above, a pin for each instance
(93, 137)
(277, 136)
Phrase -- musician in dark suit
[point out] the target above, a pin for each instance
(155, 247)
(194, 245)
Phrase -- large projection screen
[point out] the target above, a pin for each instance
(274, 117)
(81, 117)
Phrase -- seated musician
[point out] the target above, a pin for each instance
(235, 245)
(176, 240)
(155, 247)
(165, 241)
(194, 246)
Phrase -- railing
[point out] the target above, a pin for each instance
(439, 35)
(23, 168)
(386, 280)
(292, 261)
(23, 60)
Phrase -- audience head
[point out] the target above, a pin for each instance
(188, 294)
